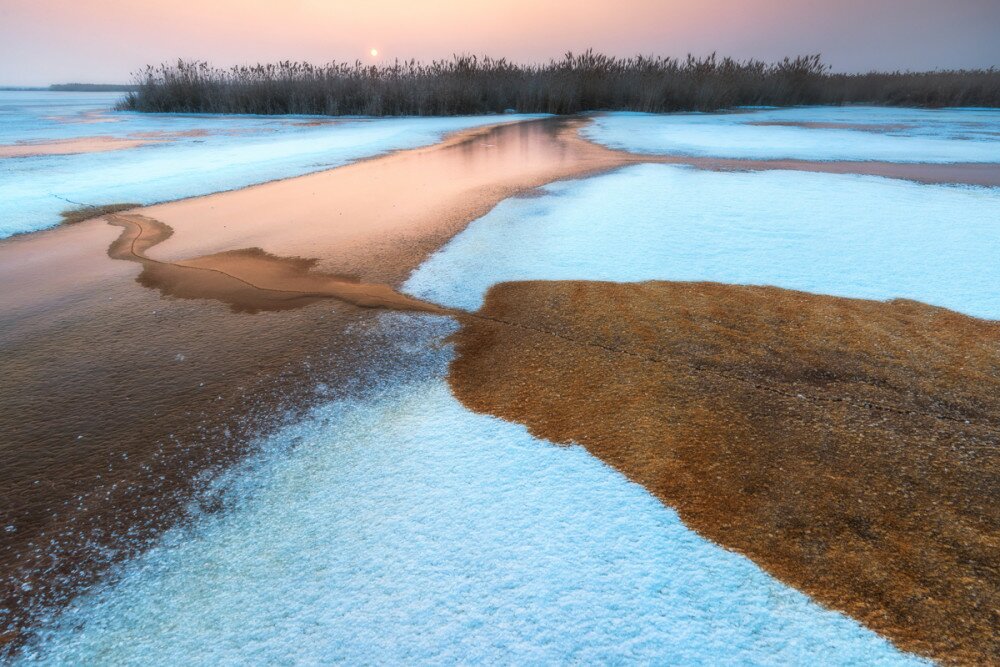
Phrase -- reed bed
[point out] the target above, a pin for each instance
(582, 82)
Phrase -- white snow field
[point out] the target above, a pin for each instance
(234, 152)
(900, 135)
(404, 529)
(853, 236)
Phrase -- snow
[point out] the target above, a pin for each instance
(854, 236)
(236, 151)
(398, 527)
(401, 528)
(937, 136)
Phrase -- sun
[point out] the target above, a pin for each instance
(373, 52)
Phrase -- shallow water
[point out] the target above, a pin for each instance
(187, 154)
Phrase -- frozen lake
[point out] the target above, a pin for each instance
(397, 526)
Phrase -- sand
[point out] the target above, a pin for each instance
(97, 144)
(849, 447)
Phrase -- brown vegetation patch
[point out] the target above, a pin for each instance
(983, 174)
(849, 447)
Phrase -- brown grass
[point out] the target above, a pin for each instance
(851, 448)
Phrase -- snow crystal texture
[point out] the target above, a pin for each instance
(404, 529)
(234, 151)
(895, 135)
(853, 236)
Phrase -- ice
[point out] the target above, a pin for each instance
(236, 151)
(401, 528)
(854, 236)
(908, 135)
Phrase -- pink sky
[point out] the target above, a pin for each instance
(47, 41)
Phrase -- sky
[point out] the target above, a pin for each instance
(104, 41)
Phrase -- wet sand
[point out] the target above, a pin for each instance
(116, 403)
(849, 447)
(329, 216)
(249, 280)
(70, 146)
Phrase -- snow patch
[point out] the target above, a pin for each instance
(852, 236)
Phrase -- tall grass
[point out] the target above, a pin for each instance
(582, 82)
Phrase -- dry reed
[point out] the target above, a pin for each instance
(582, 82)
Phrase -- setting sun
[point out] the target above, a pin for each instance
(373, 52)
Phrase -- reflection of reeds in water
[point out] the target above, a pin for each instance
(583, 82)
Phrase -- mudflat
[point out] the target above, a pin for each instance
(849, 447)
(249, 280)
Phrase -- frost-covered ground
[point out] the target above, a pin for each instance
(399, 527)
(889, 134)
(235, 151)
(404, 529)
(855, 236)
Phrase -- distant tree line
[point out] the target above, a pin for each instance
(92, 87)
(582, 82)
